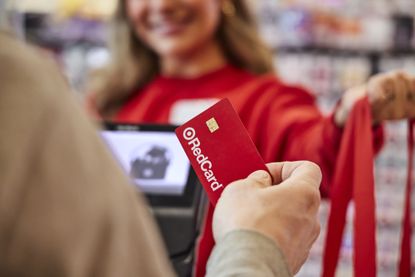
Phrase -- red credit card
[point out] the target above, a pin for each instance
(219, 148)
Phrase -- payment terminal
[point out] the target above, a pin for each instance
(153, 158)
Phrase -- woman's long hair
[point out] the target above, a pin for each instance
(133, 64)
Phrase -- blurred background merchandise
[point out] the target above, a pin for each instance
(326, 46)
(73, 31)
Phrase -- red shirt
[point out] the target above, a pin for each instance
(283, 121)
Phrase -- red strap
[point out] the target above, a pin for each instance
(405, 262)
(354, 179)
(205, 244)
(364, 194)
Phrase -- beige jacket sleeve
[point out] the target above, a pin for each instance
(246, 253)
(66, 209)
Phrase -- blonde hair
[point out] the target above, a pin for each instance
(134, 64)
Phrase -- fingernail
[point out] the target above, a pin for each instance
(260, 174)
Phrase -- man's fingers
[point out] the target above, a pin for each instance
(288, 173)
(276, 171)
(302, 179)
(301, 170)
(261, 178)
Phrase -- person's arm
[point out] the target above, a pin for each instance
(246, 253)
(297, 130)
(66, 208)
(263, 229)
(293, 128)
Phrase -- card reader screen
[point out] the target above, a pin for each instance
(154, 160)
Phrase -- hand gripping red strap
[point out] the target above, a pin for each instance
(354, 179)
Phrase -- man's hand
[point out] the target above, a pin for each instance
(285, 212)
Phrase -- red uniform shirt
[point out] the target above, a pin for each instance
(282, 120)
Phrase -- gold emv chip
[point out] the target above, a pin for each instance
(212, 125)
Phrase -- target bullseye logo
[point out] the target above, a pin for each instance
(189, 134)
